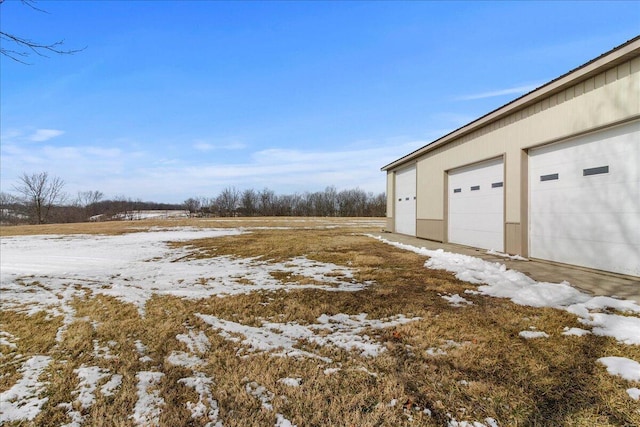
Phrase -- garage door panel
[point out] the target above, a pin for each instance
(405, 202)
(590, 215)
(476, 205)
(604, 255)
(582, 228)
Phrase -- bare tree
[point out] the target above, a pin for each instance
(88, 201)
(352, 202)
(228, 201)
(206, 205)
(249, 201)
(40, 192)
(377, 205)
(22, 48)
(329, 201)
(87, 198)
(267, 202)
(192, 205)
(11, 209)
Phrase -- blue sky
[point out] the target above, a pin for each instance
(172, 100)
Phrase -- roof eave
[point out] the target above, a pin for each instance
(622, 53)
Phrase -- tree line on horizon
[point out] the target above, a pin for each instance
(39, 198)
(265, 202)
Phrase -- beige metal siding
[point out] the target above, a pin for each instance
(391, 196)
(599, 101)
(432, 229)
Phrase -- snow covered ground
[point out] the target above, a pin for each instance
(37, 272)
(136, 266)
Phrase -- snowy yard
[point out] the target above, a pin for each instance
(298, 322)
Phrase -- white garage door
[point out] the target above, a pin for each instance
(584, 201)
(476, 205)
(406, 201)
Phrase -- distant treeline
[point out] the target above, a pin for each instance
(330, 202)
(90, 205)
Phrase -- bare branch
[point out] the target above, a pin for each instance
(24, 47)
(32, 5)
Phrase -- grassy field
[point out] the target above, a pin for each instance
(309, 350)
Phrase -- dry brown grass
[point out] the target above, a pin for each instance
(487, 371)
(120, 227)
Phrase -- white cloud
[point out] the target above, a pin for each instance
(104, 152)
(207, 146)
(519, 90)
(10, 134)
(152, 175)
(204, 146)
(42, 135)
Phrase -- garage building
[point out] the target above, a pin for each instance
(552, 175)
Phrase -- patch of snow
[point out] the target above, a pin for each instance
(7, 339)
(345, 331)
(622, 367)
(266, 397)
(89, 377)
(604, 302)
(434, 351)
(140, 347)
(634, 393)
(456, 300)
(147, 409)
(206, 404)
(366, 371)
(258, 339)
(149, 214)
(575, 331)
(62, 306)
(101, 352)
(625, 329)
(195, 342)
(180, 358)
(490, 422)
(110, 386)
(261, 393)
(291, 382)
(340, 330)
(498, 281)
(533, 334)
(331, 371)
(503, 255)
(133, 267)
(22, 401)
(76, 416)
(281, 421)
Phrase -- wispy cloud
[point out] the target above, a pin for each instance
(42, 135)
(125, 170)
(519, 90)
(207, 146)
